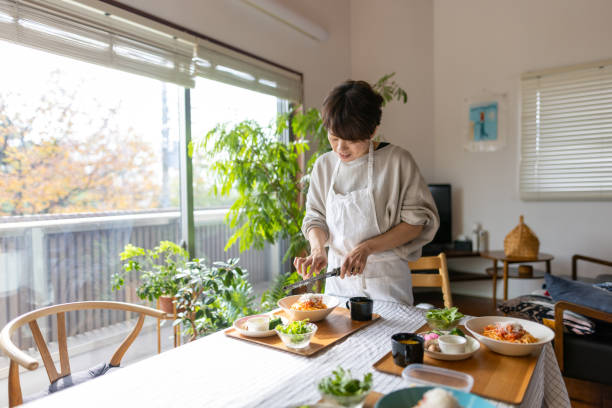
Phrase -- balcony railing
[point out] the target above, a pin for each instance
(52, 260)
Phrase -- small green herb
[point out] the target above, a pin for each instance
(275, 322)
(341, 383)
(446, 315)
(456, 331)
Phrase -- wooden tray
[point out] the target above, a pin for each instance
(333, 328)
(502, 378)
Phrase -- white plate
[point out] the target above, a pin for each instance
(544, 335)
(241, 327)
(472, 346)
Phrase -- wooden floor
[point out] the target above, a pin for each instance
(583, 394)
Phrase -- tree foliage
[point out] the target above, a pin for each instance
(58, 158)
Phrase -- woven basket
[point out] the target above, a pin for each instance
(521, 242)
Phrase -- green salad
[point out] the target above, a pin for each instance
(275, 322)
(447, 316)
(296, 330)
(342, 384)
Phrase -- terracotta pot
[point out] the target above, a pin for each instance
(166, 305)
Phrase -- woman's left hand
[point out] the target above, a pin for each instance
(355, 261)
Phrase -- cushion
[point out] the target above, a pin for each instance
(587, 357)
(579, 293)
(538, 308)
(72, 379)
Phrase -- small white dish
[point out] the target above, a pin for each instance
(471, 346)
(241, 326)
(452, 344)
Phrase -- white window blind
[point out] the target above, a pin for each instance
(566, 133)
(224, 65)
(93, 34)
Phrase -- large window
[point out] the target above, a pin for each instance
(92, 120)
(566, 142)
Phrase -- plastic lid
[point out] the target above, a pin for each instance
(429, 375)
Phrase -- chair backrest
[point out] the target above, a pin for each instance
(18, 357)
(439, 279)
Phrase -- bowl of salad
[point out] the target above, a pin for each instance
(443, 319)
(296, 335)
(340, 388)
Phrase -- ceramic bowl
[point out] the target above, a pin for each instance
(312, 315)
(544, 335)
(409, 397)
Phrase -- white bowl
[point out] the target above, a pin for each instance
(472, 346)
(452, 344)
(544, 335)
(312, 315)
(241, 326)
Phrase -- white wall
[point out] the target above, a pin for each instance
(488, 44)
(397, 36)
(324, 64)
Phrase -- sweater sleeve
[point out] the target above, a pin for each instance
(417, 208)
(315, 201)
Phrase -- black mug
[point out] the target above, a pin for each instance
(361, 308)
(407, 348)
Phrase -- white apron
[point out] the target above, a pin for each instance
(351, 219)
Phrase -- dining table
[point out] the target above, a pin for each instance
(219, 371)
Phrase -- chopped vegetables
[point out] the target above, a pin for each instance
(296, 330)
(457, 331)
(341, 383)
(445, 316)
(274, 322)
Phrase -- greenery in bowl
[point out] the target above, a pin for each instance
(296, 334)
(443, 319)
(341, 388)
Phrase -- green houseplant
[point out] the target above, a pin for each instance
(156, 269)
(211, 297)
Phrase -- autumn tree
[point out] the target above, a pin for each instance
(58, 157)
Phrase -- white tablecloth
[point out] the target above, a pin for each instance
(218, 371)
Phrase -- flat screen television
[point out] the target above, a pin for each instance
(442, 196)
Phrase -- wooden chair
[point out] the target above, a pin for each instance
(432, 280)
(18, 357)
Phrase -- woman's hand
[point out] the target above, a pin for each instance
(356, 260)
(317, 260)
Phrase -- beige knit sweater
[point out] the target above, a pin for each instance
(400, 194)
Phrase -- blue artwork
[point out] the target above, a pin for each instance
(483, 122)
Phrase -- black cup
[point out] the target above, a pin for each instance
(361, 308)
(404, 354)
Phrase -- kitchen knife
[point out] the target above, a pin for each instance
(334, 272)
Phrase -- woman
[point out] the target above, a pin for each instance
(367, 201)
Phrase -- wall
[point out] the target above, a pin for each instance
(323, 64)
(481, 44)
(397, 36)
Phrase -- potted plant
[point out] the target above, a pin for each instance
(157, 269)
(210, 298)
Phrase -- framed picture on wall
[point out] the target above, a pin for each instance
(485, 118)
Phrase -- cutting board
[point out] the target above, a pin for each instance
(499, 377)
(336, 326)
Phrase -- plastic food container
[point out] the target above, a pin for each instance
(421, 374)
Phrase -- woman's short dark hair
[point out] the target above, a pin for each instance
(352, 111)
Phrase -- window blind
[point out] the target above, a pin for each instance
(224, 65)
(95, 35)
(566, 134)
